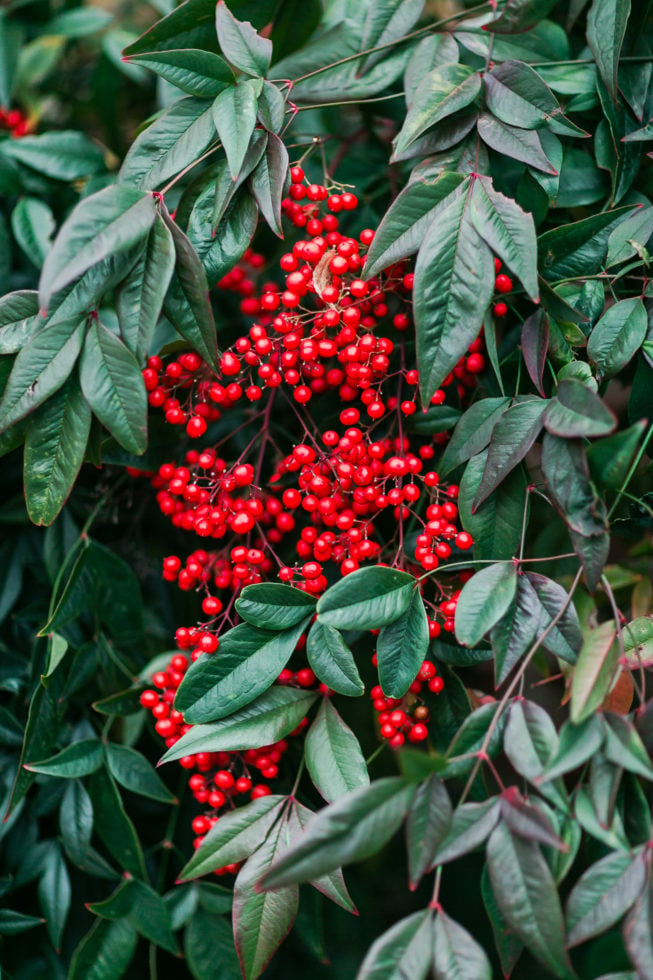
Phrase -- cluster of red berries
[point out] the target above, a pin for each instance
(15, 123)
(502, 284)
(406, 718)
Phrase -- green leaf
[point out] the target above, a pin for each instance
(76, 825)
(577, 411)
(454, 276)
(367, 599)
(209, 938)
(268, 182)
(401, 648)
(617, 337)
(272, 104)
(113, 386)
(407, 220)
(403, 951)
(623, 746)
(12, 923)
(271, 717)
(496, 525)
(426, 825)
(473, 432)
(234, 117)
(334, 758)
(272, 606)
(519, 144)
(471, 736)
(196, 72)
(113, 826)
(241, 45)
(104, 224)
(219, 253)
(579, 248)
(353, 828)
(139, 299)
(33, 225)
(79, 23)
(57, 649)
(526, 895)
(638, 642)
(456, 954)
(470, 826)
(516, 94)
(18, 319)
(529, 741)
(234, 837)
(603, 895)
(636, 230)
(105, 952)
(484, 600)
(509, 232)
(187, 304)
(64, 155)
(54, 451)
(527, 821)
(578, 743)
(332, 660)
(512, 636)
(520, 15)
(54, 894)
(262, 919)
(535, 345)
(169, 145)
(226, 186)
(610, 459)
(41, 368)
(132, 770)
(594, 671)
(638, 935)
(249, 662)
(11, 39)
(508, 945)
(78, 759)
(442, 92)
(386, 22)
(606, 26)
(331, 885)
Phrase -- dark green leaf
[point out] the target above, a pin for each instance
(638, 934)
(226, 186)
(401, 648)
(139, 299)
(234, 117)
(606, 26)
(508, 945)
(113, 386)
(484, 600)
(220, 252)
(443, 91)
(63, 155)
(516, 94)
(534, 346)
(594, 671)
(623, 746)
(577, 411)
(331, 885)
(271, 717)
(426, 825)
(514, 633)
(113, 825)
(527, 896)
(268, 182)
(403, 951)
(78, 759)
(635, 230)
(18, 319)
(334, 758)
(248, 663)
(386, 22)
(603, 894)
(529, 741)
(617, 337)
(54, 894)
(106, 223)
(33, 225)
(235, 836)
(528, 822)
(191, 24)
(41, 368)
(471, 737)
(12, 923)
(199, 73)
(578, 743)
(367, 599)
(240, 43)
(473, 432)
(456, 954)
(580, 248)
(273, 606)
(470, 827)
(132, 770)
(509, 232)
(355, 827)
(333, 661)
(496, 525)
(105, 952)
(520, 144)
(520, 15)
(207, 939)
(54, 451)
(609, 459)
(512, 437)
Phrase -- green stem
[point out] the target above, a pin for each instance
(629, 475)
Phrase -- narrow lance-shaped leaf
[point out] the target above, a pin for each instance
(520, 144)
(268, 182)
(456, 954)
(603, 894)
(534, 346)
(332, 660)
(594, 671)
(515, 632)
(442, 92)
(240, 43)
(496, 525)
(78, 759)
(469, 827)
(509, 231)
(576, 411)
(367, 599)
(401, 648)
(334, 758)
(234, 116)
(484, 600)
(617, 336)
(196, 72)
(427, 822)
(606, 26)
(403, 951)
(139, 300)
(133, 771)
(512, 437)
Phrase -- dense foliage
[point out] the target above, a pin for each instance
(340, 314)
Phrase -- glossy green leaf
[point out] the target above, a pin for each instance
(610, 458)
(208, 938)
(495, 526)
(456, 954)
(577, 411)
(526, 894)
(113, 386)
(139, 299)
(577, 745)
(54, 451)
(332, 885)
(268, 182)
(534, 346)
(132, 770)
(452, 290)
(401, 648)
(632, 233)
(18, 319)
(579, 248)
(367, 599)
(519, 144)
(518, 95)
(272, 606)
(513, 635)
(508, 945)
(623, 746)
(530, 740)
(64, 155)
(471, 736)
(617, 337)
(520, 15)
(114, 827)
(241, 45)
(105, 952)
(248, 663)
(333, 755)
(235, 836)
(443, 91)
(407, 220)
(509, 232)
(332, 660)
(484, 600)
(226, 186)
(171, 143)
(199, 73)
(353, 828)
(603, 894)
(271, 717)
(472, 434)
(528, 822)
(55, 894)
(512, 437)
(33, 225)
(638, 935)
(108, 222)
(470, 826)
(386, 22)
(403, 951)
(41, 369)
(78, 759)
(606, 26)
(426, 825)
(594, 671)
(220, 252)
(234, 117)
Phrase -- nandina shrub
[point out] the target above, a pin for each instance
(354, 345)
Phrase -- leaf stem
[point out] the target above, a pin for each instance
(629, 475)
